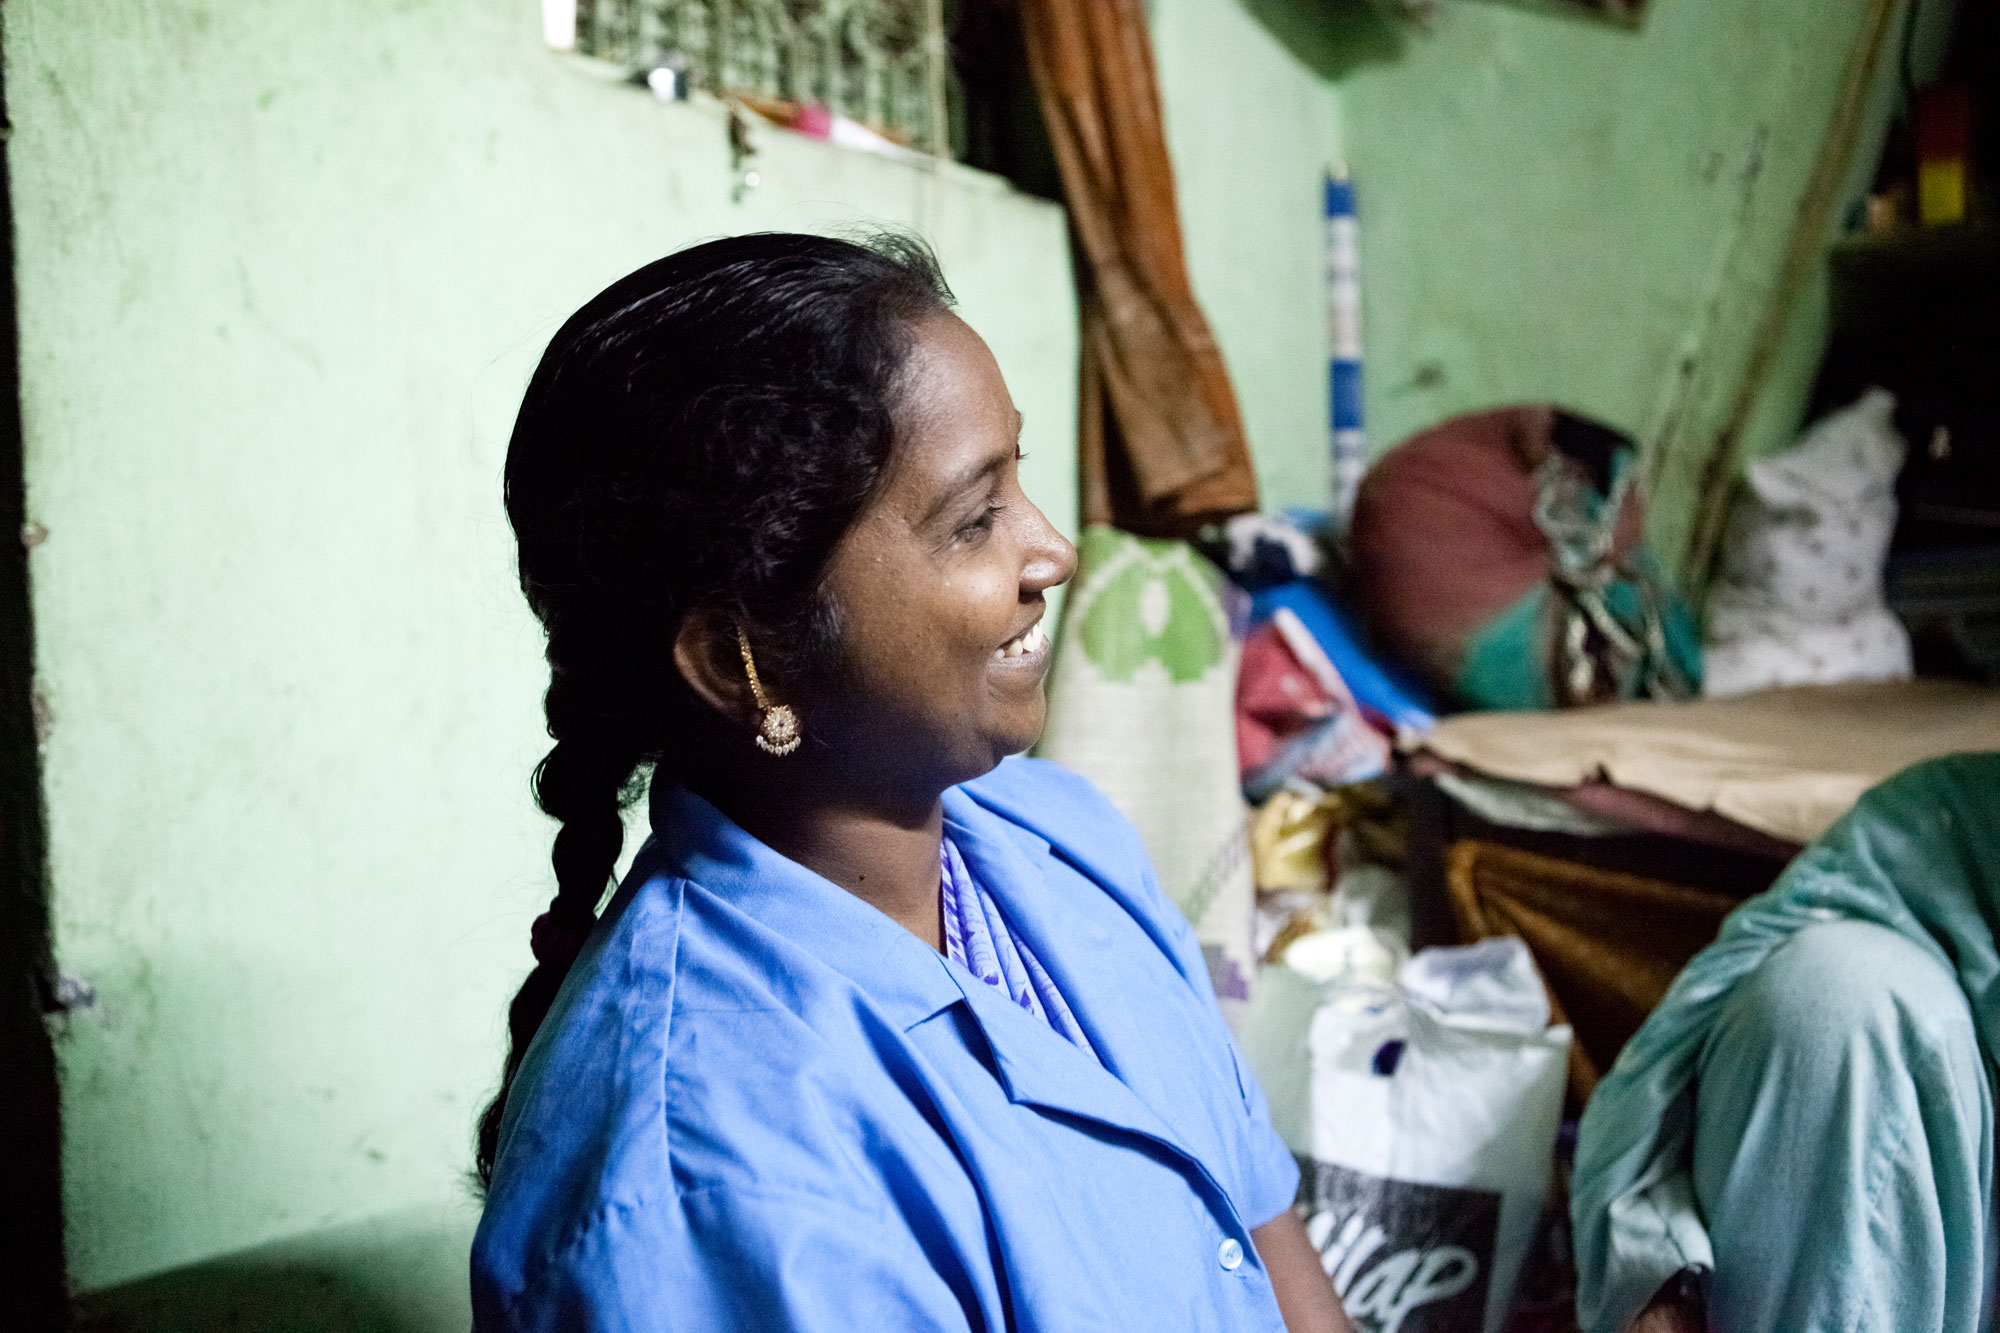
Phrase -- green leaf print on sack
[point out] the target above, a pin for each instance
(1148, 602)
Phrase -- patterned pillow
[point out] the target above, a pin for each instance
(1799, 598)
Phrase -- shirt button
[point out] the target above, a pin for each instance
(1230, 1254)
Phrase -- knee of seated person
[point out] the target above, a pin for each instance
(1841, 986)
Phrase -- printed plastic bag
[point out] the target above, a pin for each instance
(1141, 702)
(1434, 1107)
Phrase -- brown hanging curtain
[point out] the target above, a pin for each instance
(1160, 443)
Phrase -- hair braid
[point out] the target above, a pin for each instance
(585, 781)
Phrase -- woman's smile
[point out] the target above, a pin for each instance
(1026, 651)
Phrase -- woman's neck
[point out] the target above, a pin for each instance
(887, 857)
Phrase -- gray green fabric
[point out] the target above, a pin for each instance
(1808, 1113)
(1843, 1141)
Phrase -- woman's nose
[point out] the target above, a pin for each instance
(1051, 558)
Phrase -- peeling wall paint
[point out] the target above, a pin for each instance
(1552, 208)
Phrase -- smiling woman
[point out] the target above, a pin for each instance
(885, 1029)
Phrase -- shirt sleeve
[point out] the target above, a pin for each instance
(739, 1259)
(1271, 1173)
(1656, 1233)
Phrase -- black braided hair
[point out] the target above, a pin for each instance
(700, 435)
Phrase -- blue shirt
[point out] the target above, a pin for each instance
(759, 1103)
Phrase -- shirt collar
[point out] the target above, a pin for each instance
(906, 978)
(1130, 1074)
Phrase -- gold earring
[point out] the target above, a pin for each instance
(778, 734)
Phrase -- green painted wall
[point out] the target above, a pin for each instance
(284, 268)
(1552, 208)
(1565, 210)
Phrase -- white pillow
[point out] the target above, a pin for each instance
(1799, 599)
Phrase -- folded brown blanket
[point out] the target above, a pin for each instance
(1786, 762)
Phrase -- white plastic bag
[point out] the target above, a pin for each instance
(1434, 1107)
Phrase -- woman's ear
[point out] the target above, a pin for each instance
(710, 661)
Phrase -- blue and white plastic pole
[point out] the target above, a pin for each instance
(1343, 323)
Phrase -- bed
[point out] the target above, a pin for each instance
(1615, 839)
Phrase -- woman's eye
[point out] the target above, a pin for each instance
(982, 523)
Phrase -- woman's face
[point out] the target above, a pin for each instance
(939, 584)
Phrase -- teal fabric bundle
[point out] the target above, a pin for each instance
(1501, 555)
(1919, 858)
(1602, 626)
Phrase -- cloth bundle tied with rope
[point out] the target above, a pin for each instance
(1502, 555)
(1602, 651)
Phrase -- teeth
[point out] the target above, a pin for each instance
(1031, 641)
